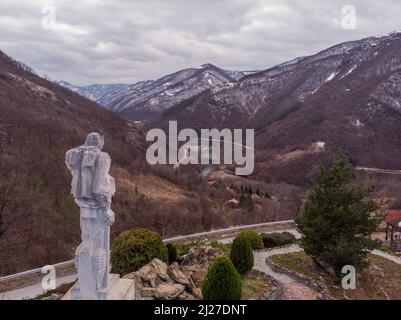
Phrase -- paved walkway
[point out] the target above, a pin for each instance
(387, 256)
(292, 290)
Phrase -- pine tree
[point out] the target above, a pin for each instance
(245, 201)
(172, 253)
(337, 223)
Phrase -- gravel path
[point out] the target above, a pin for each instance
(387, 256)
(292, 290)
(260, 265)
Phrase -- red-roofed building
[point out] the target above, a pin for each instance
(232, 203)
(393, 221)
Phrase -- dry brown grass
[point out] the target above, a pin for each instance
(153, 187)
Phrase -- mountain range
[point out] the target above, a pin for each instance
(147, 99)
(93, 92)
(346, 97)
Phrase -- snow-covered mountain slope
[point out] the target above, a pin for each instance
(94, 91)
(348, 96)
(147, 99)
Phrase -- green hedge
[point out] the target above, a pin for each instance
(172, 253)
(134, 248)
(271, 240)
(255, 238)
(222, 281)
(241, 254)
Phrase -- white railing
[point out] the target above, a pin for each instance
(376, 170)
(231, 229)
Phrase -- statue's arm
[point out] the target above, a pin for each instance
(104, 185)
(70, 159)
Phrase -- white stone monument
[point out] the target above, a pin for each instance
(93, 188)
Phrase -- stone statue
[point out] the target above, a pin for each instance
(92, 188)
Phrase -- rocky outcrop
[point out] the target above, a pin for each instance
(153, 273)
(166, 291)
(201, 256)
(157, 280)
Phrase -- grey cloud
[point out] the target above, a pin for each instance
(128, 41)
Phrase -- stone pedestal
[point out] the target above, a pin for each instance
(119, 289)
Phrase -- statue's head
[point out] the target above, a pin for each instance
(95, 140)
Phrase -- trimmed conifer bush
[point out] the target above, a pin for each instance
(134, 248)
(222, 281)
(172, 253)
(255, 238)
(277, 239)
(241, 254)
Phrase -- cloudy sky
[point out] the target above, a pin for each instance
(104, 41)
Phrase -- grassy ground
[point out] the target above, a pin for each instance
(299, 262)
(60, 290)
(380, 281)
(255, 285)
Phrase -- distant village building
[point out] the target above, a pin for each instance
(232, 203)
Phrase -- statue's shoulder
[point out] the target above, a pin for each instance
(104, 157)
(73, 157)
(72, 152)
